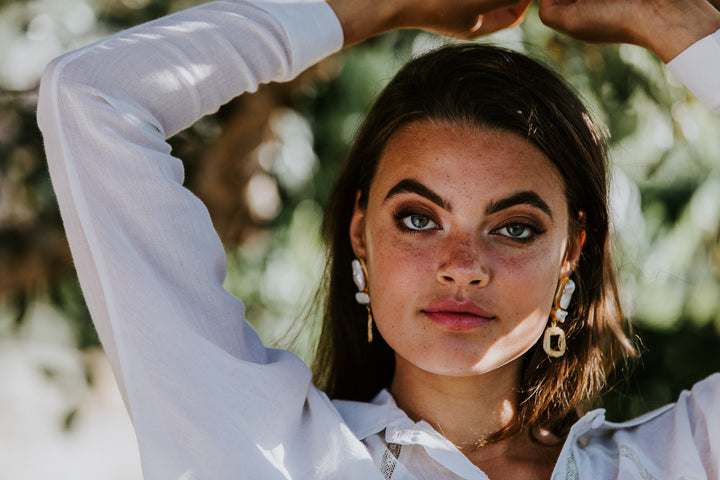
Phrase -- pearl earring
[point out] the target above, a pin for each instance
(559, 313)
(359, 271)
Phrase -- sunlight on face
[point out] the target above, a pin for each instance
(465, 236)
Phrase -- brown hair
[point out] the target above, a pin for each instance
(486, 87)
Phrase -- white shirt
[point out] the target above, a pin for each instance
(208, 401)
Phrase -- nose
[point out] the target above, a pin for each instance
(464, 261)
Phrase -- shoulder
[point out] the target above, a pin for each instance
(681, 440)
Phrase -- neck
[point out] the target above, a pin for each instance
(466, 409)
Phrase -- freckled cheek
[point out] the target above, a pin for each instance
(402, 263)
(522, 269)
(399, 270)
(528, 280)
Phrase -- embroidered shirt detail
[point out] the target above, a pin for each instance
(630, 454)
(572, 468)
(389, 460)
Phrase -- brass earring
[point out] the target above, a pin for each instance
(362, 297)
(559, 313)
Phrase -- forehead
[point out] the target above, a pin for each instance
(468, 161)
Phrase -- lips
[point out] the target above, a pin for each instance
(457, 315)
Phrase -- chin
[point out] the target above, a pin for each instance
(469, 365)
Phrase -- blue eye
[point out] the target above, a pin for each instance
(517, 231)
(419, 222)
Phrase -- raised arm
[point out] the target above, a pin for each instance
(197, 381)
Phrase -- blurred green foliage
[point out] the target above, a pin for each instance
(666, 190)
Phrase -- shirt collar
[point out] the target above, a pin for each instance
(588, 429)
(382, 413)
(366, 419)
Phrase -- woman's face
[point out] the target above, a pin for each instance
(465, 236)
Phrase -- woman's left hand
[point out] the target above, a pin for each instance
(666, 27)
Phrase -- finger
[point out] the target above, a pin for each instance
(502, 18)
(557, 14)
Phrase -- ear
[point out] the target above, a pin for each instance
(357, 229)
(575, 246)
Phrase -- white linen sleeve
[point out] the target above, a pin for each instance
(206, 398)
(698, 68)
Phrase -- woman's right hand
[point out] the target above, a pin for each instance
(455, 18)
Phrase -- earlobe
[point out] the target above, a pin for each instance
(357, 229)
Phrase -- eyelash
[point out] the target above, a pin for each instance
(533, 229)
(402, 214)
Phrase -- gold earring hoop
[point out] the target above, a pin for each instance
(362, 297)
(554, 341)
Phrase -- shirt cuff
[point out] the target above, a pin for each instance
(698, 68)
(312, 27)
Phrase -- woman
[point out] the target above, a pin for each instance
(465, 231)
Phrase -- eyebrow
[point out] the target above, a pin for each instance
(409, 185)
(527, 197)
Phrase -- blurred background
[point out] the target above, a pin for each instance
(264, 164)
